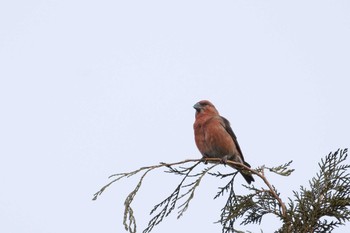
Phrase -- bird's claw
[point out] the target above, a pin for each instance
(204, 160)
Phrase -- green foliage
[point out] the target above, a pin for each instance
(325, 204)
(250, 208)
(283, 170)
(170, 202)
(319, 208)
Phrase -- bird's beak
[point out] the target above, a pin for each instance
(197, 106)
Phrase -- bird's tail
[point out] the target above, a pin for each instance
(248, 177)
(246, 174)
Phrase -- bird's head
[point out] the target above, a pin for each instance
(205, 107)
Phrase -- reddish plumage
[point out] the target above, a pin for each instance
(215, 138)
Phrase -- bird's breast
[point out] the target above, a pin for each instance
(212, 139)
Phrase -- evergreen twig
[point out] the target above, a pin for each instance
(320, 208)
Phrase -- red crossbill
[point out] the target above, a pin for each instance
(214, 137)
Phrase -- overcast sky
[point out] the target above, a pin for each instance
(92, 88)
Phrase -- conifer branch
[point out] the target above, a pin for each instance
(328, 196)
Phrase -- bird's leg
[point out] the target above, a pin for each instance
(224, 159)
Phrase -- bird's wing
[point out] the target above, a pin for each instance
(232, 134)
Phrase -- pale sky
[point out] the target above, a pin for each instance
(93, 88)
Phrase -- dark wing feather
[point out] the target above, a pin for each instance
(233, 136)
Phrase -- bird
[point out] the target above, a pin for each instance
(215, 138)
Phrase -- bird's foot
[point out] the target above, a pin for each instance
(204, 160)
